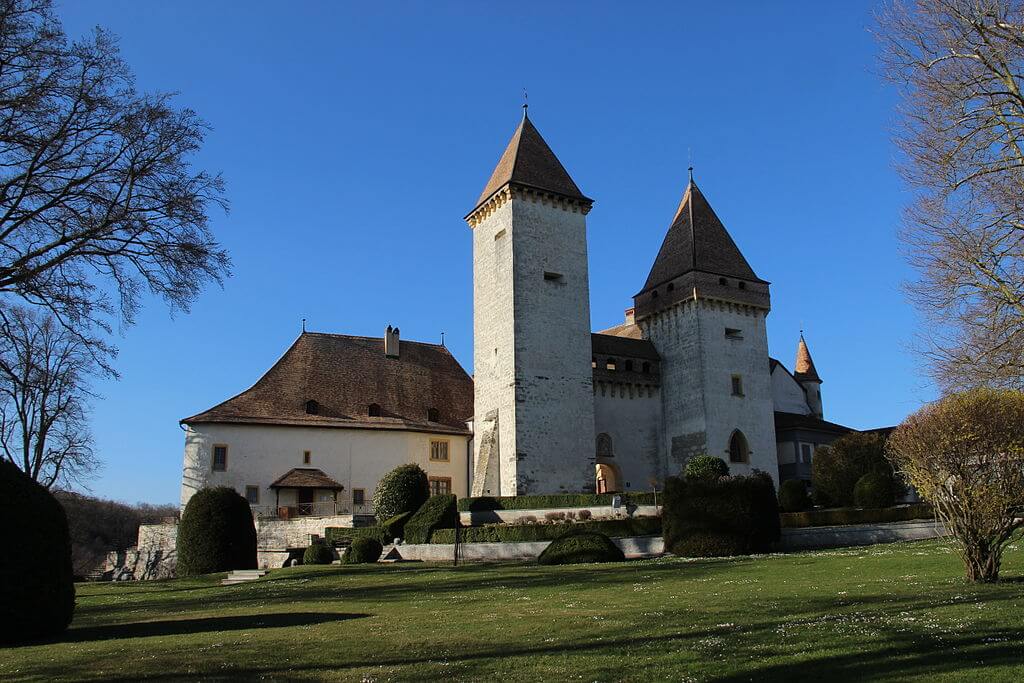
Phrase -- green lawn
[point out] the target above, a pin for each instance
(894, 612)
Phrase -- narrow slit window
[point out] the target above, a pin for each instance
(733, 333)
(553, 277)
(307, 457)
(220, 458)
(252, 495)
(737, 385)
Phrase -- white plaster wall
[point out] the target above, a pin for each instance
(787, 394)
(355, 458)
(631, 416)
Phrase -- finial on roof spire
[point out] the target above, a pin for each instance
(526, 102)
(303, 324)
(690, 169)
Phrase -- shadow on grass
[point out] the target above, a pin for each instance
(173, 627)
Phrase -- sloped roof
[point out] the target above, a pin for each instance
(606, 344)
(344, 375)
(697, 241)
(804, 366)
(790, 421)
(529, 161)
(306, 478)
(630, 330)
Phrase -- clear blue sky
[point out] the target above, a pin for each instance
(354, 137)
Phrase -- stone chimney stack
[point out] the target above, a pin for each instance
(391, 342)
(630, 316)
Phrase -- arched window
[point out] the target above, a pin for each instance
(604, 446)
(374, 410)
(739, 451)
(433, 415)
(647, 368)
(629, 366)
(312, 408)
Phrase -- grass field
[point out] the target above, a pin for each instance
(894, 612)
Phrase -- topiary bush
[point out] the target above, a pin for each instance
(793, 496)
(216, 533)
(439, 512)
(519, 533)
(731, 515)
(318, 553)
(836, 468)
(874, 490)
(706, 467)
(403, 489)
(363, 551)
(37, 590)
(577, 548)
(553, 500)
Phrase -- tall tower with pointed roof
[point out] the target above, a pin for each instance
(807, 375)
(533, 402)
(704, 309)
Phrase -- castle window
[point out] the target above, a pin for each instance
(220, 458)
(554, 277)
(252, 495)
(723, 281)
(654, 294)
(671, 286)
(604, 446)
(433, 415)
(739, 451)
(610, 364)
(629, 366)
(358, 496)
(647, 368)
(439, 451)
(312, 408)
(737, 385)
(733, 333)
(440, 486)
(374, 410)
(743, 285)
(307, 457)
(593, 362)
(806, 453)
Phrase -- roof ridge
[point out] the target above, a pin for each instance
(363, 336)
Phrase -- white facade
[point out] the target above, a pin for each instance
(356, 458)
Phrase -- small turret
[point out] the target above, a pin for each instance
(807, 375)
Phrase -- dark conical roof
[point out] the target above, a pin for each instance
(804, 368)
(697, 240)
(529, 161)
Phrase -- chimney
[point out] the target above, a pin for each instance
(391, 342)
(630, 317)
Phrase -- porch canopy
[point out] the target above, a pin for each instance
(305, 480)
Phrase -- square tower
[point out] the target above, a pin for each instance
(533, 382)
(705, 309)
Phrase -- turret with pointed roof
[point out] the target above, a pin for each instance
(807, 375)
(699, 259)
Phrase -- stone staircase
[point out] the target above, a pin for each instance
(243, 576)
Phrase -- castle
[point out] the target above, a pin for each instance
(552, 406)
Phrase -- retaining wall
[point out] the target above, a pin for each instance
(478, 517)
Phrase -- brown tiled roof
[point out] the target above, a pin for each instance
(804, 367)
(530, 162)
(306, 478)
(630, 330)
(344, 375)
(709, 250)
(626, 347)
(790, 421)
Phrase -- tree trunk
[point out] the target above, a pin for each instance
(982, 563)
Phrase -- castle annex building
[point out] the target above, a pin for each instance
(552, 406)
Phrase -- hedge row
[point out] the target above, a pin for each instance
(384, 533)
(554, 500)
(520, 533)
(438, 512)
(842, 516)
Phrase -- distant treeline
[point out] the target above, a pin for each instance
(100, 526)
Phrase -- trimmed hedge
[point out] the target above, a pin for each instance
(706, 467)
(384, 533)
(578, 548)
(520, 533)
(403, 489)
(363, 551)
(318, 553)
(727, 516)
(844, 516)
(439, 512)
(554, 500)
(216, 533)
(793, 496)
(37, 590)
(874, 490)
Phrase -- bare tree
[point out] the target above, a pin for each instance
(98, 200)
(44, 373)
(965, 456)
(959, 65)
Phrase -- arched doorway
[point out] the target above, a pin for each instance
(609, 479)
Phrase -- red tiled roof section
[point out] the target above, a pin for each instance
(345, 375)
(804, 368)
(711, 249)
(529, 161)
(306, 478)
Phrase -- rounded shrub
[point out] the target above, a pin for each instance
(318, 553)
(874, 490)
(793, 496)
(363, 551)
(577, 548)
(706, 467)
(216, 533)
(37, 590)
(836, 468)
(403, 489)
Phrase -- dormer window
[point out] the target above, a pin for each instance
(374, 410)
(433, 415)
(312, 408)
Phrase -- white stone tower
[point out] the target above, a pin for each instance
(534, 410)
(807, 375)
(704, 309)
